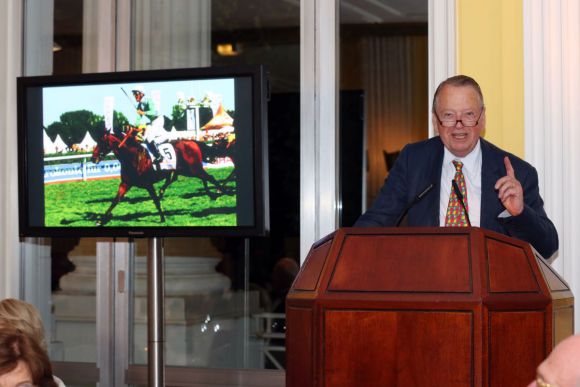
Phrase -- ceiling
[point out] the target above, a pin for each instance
(383, 11)
(257, 14)
(245, 14)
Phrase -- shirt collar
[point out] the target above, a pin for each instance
(470, 162)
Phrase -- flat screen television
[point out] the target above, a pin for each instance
(144, 153)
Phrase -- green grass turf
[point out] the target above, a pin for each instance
(185, 203)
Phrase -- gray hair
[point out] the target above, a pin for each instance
(458, 81)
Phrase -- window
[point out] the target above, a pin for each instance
(224, 296)
(384, 66)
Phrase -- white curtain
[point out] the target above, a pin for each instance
(33, 254)
(99, 35)
(552, 121)
(172, 34)
(38, 37)
(395, 76)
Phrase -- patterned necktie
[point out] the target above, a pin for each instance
(455, 214)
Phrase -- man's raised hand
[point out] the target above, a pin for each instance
(510, 191)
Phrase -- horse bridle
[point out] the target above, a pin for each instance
(105, 140)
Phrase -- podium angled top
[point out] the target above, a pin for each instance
(471, 263)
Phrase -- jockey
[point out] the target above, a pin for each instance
(149, 123)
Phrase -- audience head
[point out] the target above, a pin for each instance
(24, 317)
(283, 274)
(562, 367)
(23, 363)
(458, 114)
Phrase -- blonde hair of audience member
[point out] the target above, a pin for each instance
(22, 361)
(24, 317)
(562, 367)
(20, 315)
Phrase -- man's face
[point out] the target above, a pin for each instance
(138, 96)
(459, 103)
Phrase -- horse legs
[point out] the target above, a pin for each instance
(230, 177)
(205, 177)
(170, 179)
(155, 199)
(122, 190)
(212, 196)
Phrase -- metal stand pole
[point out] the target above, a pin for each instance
(155, 313)
(246, 318)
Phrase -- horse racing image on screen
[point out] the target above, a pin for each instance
(136, 155)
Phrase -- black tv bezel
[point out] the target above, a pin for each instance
(259, 82)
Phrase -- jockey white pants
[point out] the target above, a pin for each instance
(155, 131)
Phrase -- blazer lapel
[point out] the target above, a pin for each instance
(432, 215)
(492, 169)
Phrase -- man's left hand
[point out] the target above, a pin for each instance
(510, 191)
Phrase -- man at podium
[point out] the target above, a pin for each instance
(458, 179)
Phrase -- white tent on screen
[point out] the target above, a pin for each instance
(47, 144)
(59, 145)
(88, 143)
(220, 120)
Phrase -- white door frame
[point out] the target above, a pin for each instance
(319, 74)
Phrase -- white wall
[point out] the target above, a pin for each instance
(10, 68)
(552, 121)
(318, 105)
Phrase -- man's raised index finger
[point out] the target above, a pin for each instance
(508, 167)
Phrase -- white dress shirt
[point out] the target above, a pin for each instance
(472, 173)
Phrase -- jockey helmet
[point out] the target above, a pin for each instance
(138, 89)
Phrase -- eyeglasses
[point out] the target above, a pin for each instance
(540, 383)
(467, 122)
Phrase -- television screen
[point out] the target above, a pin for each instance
(144, 153)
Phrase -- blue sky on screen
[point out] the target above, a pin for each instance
(62, 99)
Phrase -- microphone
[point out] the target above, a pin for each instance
(417, 199)
(460, 197)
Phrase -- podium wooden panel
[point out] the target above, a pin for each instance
(422, 307)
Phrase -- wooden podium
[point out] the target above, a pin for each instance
(423, 307)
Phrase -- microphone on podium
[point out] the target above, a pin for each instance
(417, 199)
(460, 197)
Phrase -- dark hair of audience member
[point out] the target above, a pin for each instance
(15, 347)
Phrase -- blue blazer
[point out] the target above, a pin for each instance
(420, 164)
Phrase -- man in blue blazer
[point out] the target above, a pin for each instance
(502, 189)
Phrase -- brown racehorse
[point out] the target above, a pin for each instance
(221, 147)
(137, 168)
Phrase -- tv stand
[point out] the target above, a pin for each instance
(155, 313)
